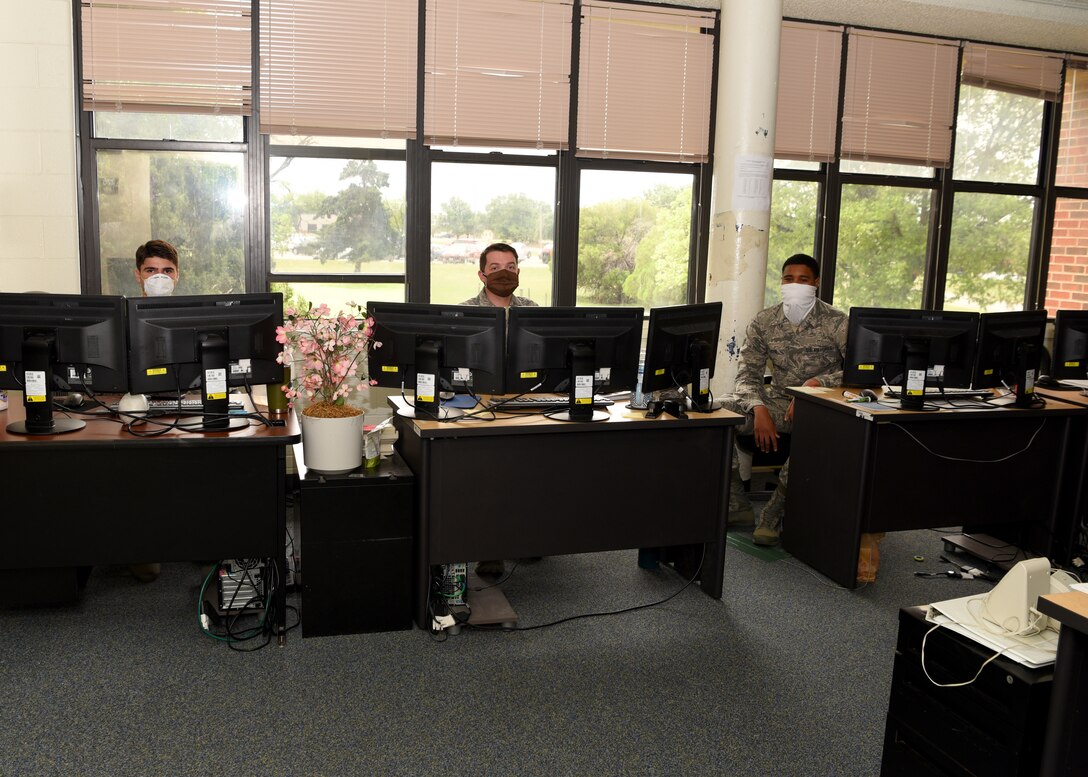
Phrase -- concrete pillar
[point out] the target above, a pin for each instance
(743, 168)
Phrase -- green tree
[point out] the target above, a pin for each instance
(792, 230)
(193, 207)
(286, 212)
(660, 276)
(457, 217)
(516, 217)
(361, 231)
(608, 238)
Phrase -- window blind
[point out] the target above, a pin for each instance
(498, 73)
(167, 56)
(340, 68)
(1029, 73)
(809, 64)
(644, 82)
(899, 99)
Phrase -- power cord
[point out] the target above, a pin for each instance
(570, 618)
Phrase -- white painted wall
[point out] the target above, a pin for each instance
(39, 242)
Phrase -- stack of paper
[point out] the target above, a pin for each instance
(963, 616)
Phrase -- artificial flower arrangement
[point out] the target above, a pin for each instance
(327, 354)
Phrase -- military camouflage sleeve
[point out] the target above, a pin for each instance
(750, 388)
(837, 329)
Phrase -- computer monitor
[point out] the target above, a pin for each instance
(1008, 352)
(208, 342)
(71, 342)
(578, 351)
(1070, 358)
(435, 348)
(681, 344)
(910, 348)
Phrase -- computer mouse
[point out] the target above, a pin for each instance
(870, 394)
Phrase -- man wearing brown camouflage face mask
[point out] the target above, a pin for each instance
(499, 274)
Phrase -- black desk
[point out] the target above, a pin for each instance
(102, 496)
(855, 471)
(1065, 752)
(531, 486)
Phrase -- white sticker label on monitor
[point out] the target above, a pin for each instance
(916, 382)
(936, 371)
(462, 375)
(74, 377)
(583, 389)
(1029, 381)
(704, 380)
(215, 383)
(34, 385)
(603, 375)
(425, 387)
(241, 367)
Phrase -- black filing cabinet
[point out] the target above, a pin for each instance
(357, 549)
(993, 727)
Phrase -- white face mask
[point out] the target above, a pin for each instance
(798, 299)
(159, 285)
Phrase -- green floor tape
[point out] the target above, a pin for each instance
(743, 542)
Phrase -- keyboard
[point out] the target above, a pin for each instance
(931, 392)
(188, 404)
(540, 403)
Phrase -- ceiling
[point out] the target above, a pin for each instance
(1056, 25)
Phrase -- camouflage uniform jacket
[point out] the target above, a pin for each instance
(481, 300)
(814, 349)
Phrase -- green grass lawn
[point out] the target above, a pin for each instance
(450, 283)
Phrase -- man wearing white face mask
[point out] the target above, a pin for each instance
(157, 268)
(802, 342)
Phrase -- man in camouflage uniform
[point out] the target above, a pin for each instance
(802, 340)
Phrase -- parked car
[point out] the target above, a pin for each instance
(461, 250)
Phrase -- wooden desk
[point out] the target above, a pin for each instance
(103, 496)
(854, 470)
(531, 486)
(1065, 751)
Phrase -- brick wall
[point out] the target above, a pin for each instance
(1067, 281)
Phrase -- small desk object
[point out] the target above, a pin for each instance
(1066, 751)
(856, 470)
(356, 548)
(102, 496)
(523, 486)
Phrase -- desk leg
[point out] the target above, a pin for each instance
(279, 544)
(1064, 751)
(710, 579)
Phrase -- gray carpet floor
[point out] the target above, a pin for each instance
(786, 675)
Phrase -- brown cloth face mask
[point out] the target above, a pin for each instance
(501, 282)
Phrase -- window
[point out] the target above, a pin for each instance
(634, 247)
(500, 203)
(882, 247)
(195, 201)
(792, 230)
(989, 252)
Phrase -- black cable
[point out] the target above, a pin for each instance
(633, 608)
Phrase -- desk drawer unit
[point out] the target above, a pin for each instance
(991, 728)
(357, 551)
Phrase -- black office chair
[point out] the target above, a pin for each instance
(770, 461)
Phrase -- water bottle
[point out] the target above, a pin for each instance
(639, 400)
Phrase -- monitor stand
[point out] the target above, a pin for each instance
(581, 358)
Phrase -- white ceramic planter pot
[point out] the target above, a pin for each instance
(332, 445)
